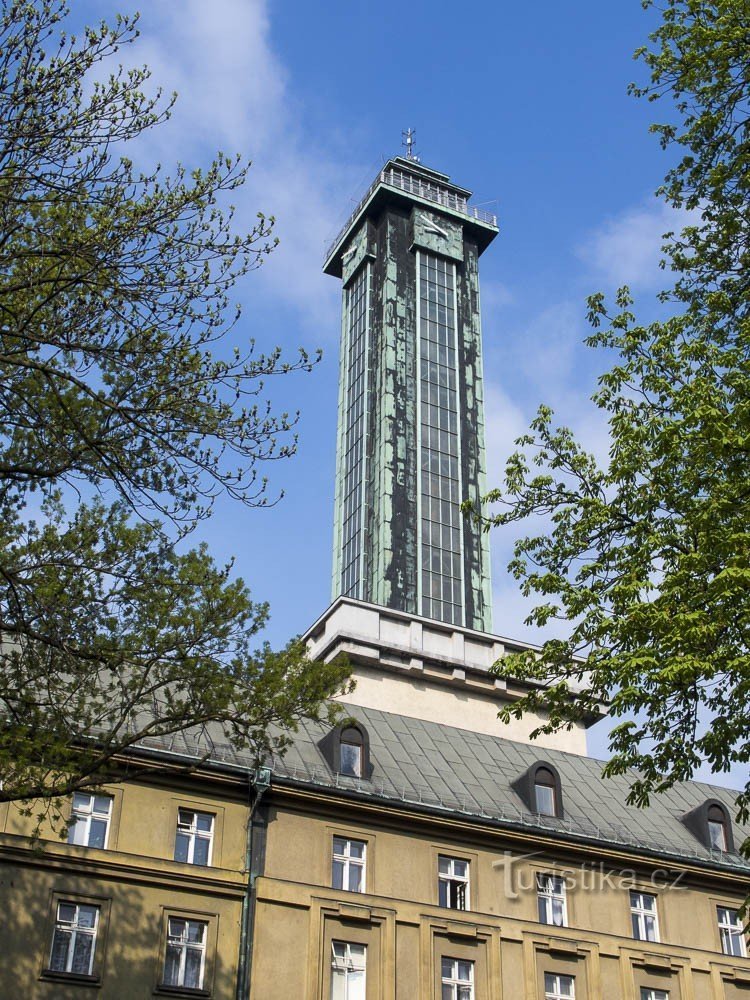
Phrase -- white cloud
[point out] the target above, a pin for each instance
(626, 249)
(233, 96)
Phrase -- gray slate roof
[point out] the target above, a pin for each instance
(456, 771)
(448, 769)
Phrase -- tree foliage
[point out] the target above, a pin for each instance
(123, 415)
(648, 557)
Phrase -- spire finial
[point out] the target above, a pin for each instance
(407, 140)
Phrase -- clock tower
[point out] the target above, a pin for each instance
(411, 412)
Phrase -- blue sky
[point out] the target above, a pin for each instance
(525, 104)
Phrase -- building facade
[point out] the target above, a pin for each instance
(421, 849)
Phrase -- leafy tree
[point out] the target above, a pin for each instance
(648, 557)
(120, 423)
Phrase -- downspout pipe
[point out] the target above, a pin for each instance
(259, 782)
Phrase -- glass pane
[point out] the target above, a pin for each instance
(172, 966)
(338, 984)
(83, 954)
(338, 875)
(557, 912)
(97, 833)
(650, 927)
(545, 800)
(447, 993)
(193, 978)
(716, 835)
(464, 993)
(59, 955)
(464, 971)
(205, 822)
(356, 849)
(66, 912)
(102, 804)
(81, 801)
(77, 832)
(195, 931)
(447, 968)
(339, 845)
(87, 916)
(355, 878)
(200, 851)
(636, 920)
(444, 865)
(460, 868)
(181, 846)
(176, 927)
(351, 759)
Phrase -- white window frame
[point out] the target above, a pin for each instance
(641, 913)
(73, 931)
(553, 986)
(717, 831)
(350, 863)
(461, 989)
(344, 965)
(183, 944)
(84, 813)
(649, 993)
(190, 830)
(449, 878)
(731, 931)
(551, 887)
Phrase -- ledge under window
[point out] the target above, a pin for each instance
(180, 991)
(74, 978)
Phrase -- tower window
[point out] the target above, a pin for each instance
(717, 828)
(453, 883)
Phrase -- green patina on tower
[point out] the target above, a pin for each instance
(411, 409)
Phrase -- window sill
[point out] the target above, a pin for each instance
(180, 991)
(75, 978)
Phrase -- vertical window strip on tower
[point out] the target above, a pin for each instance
(440, 494)
(357, 310)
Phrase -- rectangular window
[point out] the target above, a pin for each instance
(74, 938)
(643, 916)
(185, 960)
(440, 484)
(717, 835)
(648, 994)
(558, 987)
(551, 900)
(90, 818)
(453, 883)
(457, 979)
(731, 932)
(349, 864)
(348, 971)
(194, 839)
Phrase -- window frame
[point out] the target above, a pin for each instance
(554, 992)
(88, 817)
(731, 931)
(653, 993)
(330, 747)
(548, 897)
(722, 823)
(453, 980)
(642, 913)
(210, 919)
(102, 904)
(347, 945)
(451, 878)
(184, 945)
(348, 863)
(194, 834)
(526, 788)
(551, 784)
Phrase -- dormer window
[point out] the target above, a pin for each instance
(717, 828)
(540, 789)
(346, 749)
(545, 792)
(710, 823)
(351, 752)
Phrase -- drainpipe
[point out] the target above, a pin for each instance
(259, 782)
